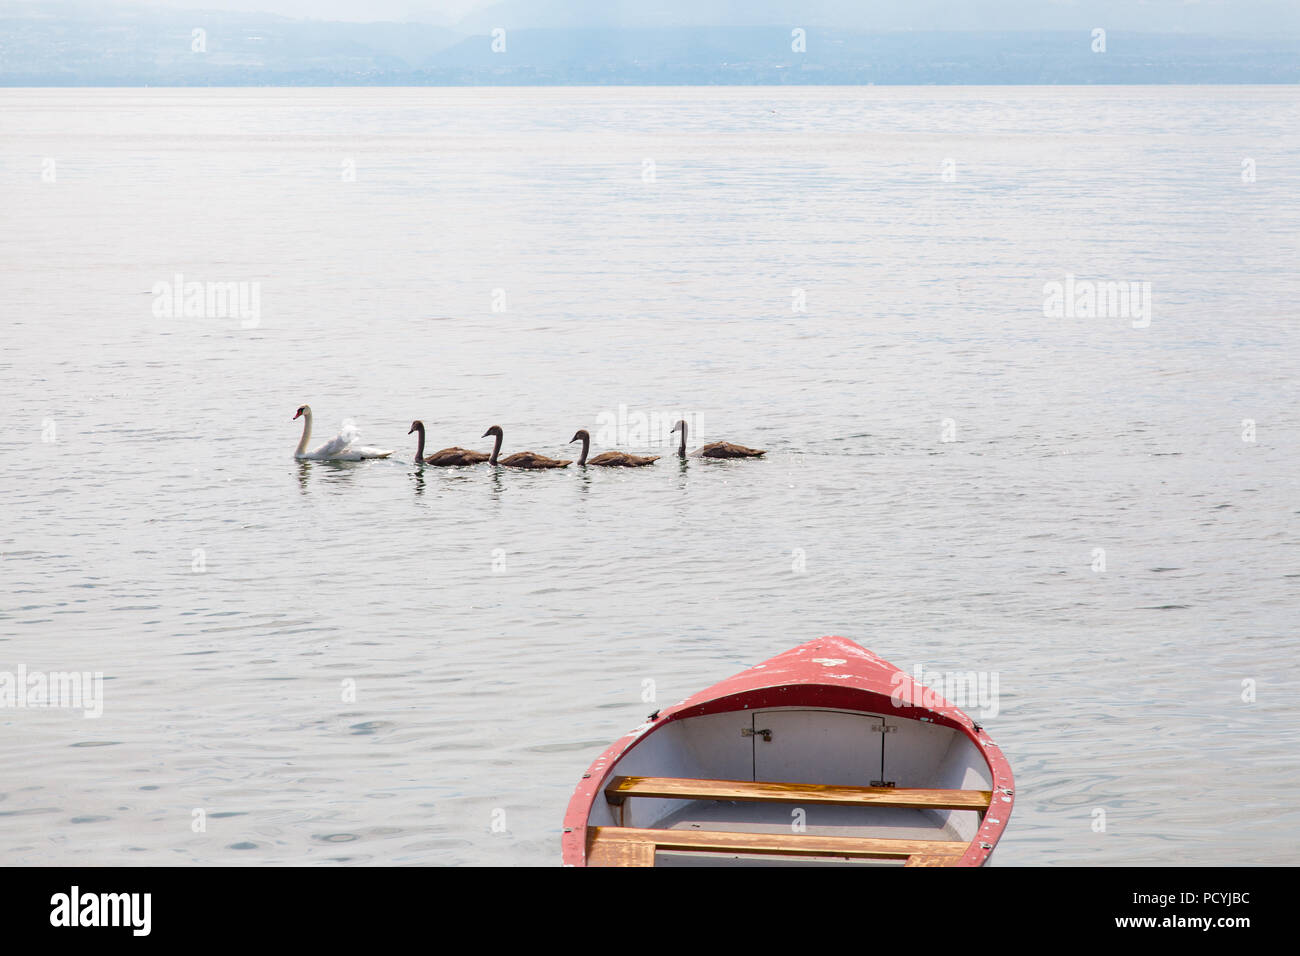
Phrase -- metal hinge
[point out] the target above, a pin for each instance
(765, 734)
(883, 728)
(884, 783)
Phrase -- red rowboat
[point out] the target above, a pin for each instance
(823, 754)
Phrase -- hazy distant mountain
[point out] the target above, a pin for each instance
(136, 47)
(764, 55)
(79, 43)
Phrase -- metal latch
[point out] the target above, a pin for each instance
(765, 734)
(884, 783)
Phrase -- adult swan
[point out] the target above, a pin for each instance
(339, 448)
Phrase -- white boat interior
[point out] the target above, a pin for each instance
(682, 795)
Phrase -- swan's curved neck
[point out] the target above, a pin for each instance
(586, 445)
(681, 449)
(306, 434)
(419, 450)
(496, 449)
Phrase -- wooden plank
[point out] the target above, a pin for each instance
(680, 788)
(785, 844)
(606, 852)
(924, 859)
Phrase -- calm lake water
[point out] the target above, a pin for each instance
(367, 664)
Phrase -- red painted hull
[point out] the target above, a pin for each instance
(830, 672)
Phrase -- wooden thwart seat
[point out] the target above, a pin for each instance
(632, 846)
(681, 788)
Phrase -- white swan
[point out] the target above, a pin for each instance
(339, 448)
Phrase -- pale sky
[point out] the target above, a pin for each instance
(1258, 17)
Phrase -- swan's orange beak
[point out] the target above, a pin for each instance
(296, 415)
